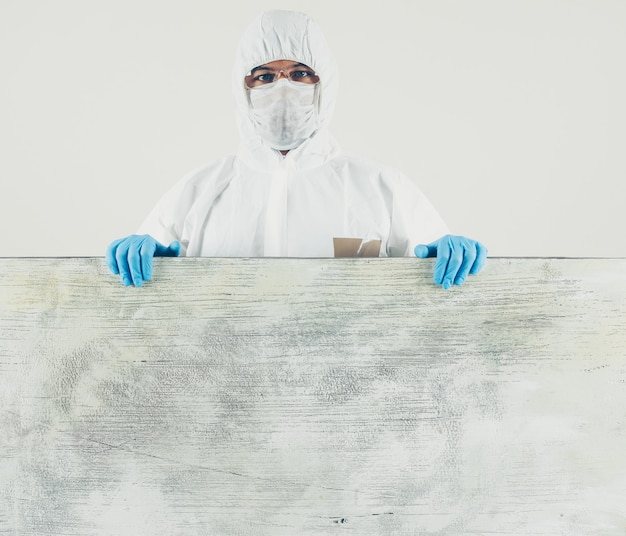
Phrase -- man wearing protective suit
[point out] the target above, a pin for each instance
(290, 191)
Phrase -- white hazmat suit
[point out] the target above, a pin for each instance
(258, 203)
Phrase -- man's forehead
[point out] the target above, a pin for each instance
(279, 64)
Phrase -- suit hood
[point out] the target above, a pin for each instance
(282, 35)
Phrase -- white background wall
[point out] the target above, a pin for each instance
(510, 114)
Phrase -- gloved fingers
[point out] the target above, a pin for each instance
(426, 250)
(109, 257)
(469, 256)
(146, 253)
(134, 261)
(444, 250)
(457, 257)
(173, 250)
(455, 253)
(121, 258)
(481, 258)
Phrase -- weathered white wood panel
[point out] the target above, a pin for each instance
(290, 396)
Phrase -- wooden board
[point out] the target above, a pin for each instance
(307, 397)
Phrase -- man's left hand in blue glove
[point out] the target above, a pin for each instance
(457, 257)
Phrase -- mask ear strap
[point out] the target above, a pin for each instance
(317, 98)
(247, 90)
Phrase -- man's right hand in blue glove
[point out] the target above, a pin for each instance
(131, 257)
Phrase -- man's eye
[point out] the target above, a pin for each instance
(300, 74)
(265, 77)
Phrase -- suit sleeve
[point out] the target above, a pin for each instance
(166, 221)
(414, 220)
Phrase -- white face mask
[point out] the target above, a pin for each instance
(284, 113)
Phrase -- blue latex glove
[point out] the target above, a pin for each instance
(131, 257)
(457, 257)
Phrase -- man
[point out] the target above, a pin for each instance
(290, 191)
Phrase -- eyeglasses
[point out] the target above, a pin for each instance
(260, 76)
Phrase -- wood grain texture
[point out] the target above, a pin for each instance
(324, 396)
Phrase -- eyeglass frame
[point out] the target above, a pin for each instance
(252, 82)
